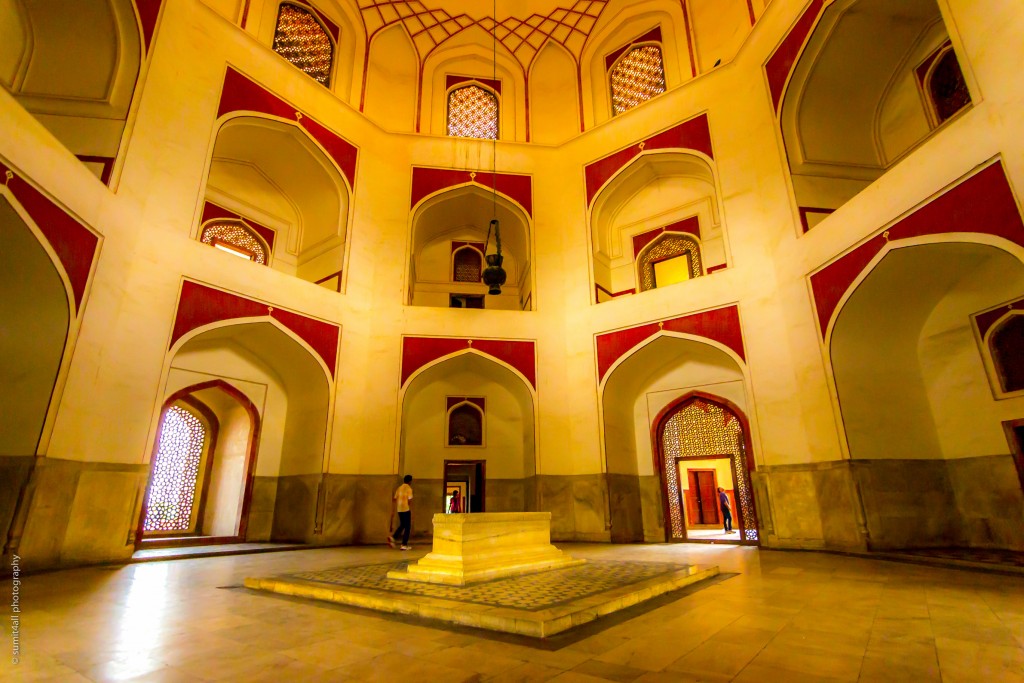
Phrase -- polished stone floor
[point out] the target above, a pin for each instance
(785, 616)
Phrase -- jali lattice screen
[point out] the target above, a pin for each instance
(235, 234)
(700, 428)
(301, 40)
(637, 77)
(473, 113)
(175, 472)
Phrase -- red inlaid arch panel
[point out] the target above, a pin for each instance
(427, 181)
(200, 305)
(240, 93)
(986, 320)
(420, 351)
(149, 12)
(74, 244)
(982, 204)
(689, 225)
(693, 134)
(782, 61)
(721, 325)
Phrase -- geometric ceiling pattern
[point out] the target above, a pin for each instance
(523, 38)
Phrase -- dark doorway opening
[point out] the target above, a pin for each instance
(1015, 435)
(702, 502)
(469, 478)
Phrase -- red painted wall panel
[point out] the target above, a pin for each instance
(200, 305)
(451, 80)
(784, 59)
(419, 351)
(984, 204)
(149, 12)
(986, 320)
(240, 93)
(688, 225)
(721, 325)
(694, 134)
(427, 181)
(74, 244)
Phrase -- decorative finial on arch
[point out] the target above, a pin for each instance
(270, 310)
(661, 324)
(8, 176)
(298, 116)
(469, 343)
(642, 145)
(472, 176)
(885, 235)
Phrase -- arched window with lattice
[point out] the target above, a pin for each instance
(467, 265)
(236, 238)
(465, 425)
(1006, 344)
(637, 76)
(302, 40)
(672, 258)
(173, 499)
(473, 113)
(945, 85)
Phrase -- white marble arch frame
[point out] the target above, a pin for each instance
(439, 196)
(890, 246)
(172, 352)
(222, 121)
(988, 357)
(748, 389)
(400, 409)
(610, 183)
(75, 313)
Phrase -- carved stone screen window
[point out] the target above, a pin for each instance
(638, 76)
(235, 237)
(302, 40)
(699, 429)
(473, 113)
(465, 425)
(947, 87)
(467, 265)
(1007, 345)
(174, 476)
(665, 250)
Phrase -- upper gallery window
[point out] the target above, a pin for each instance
(671, 258)
(473, 113)
(1007, 344)
(467, 265)
(235, 238)
(465, 425)
(946, 86)
(303, 41)
(637, 77)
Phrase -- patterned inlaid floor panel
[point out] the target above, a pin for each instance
(532, 592)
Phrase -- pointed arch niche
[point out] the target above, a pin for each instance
(554, 96)
(881, 56)
(278, 181)
(259, 374)
(457, 219)
(660, 214)
(75, 74)
(642, 389)
(923, 428)
(392, 80)
(463, 381)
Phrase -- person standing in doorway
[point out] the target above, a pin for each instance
(400, 502)
(726, 505)
(456, 503)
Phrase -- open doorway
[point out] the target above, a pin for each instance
(1015, 435)
(699, 480)
(468, 479)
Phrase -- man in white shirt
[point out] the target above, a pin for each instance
(400, 502)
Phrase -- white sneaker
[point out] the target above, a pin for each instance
(406, 547)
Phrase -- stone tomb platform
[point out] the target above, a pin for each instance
(469, 548)
(538, 605)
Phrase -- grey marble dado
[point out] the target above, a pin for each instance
(14, 474)
(80, 513)
(990, 499)
(578, 506)
(295, 509)
(627, 523)
(356, 508)
(260, 524)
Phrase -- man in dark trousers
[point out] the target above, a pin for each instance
(726, 505)
(400, 502)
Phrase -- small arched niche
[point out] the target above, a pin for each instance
(916, 403)
(635, 393)
(1006, 345)
(447, 224)
(75, 69)
(275, 175)
(268, 367)
(860, 97)
(659, 211)
(469, 382)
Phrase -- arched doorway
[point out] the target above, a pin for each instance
(702, 445)
(202, 469)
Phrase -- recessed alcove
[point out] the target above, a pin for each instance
(448, 224)
(656, 223)
(288, 194)
(74, 71)
(874, 80)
